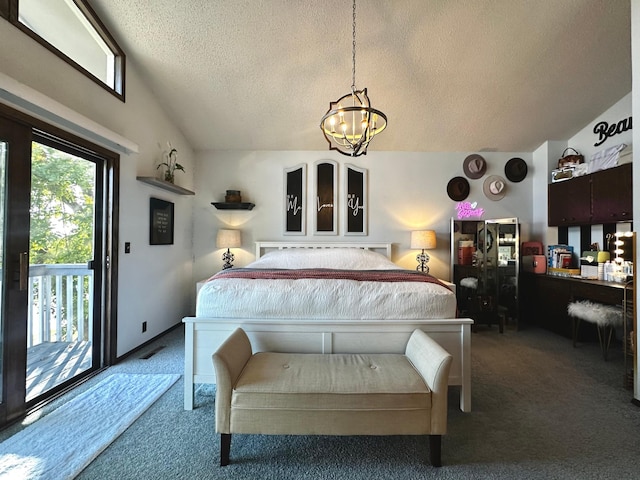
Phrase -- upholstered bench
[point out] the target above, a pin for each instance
(332, 394)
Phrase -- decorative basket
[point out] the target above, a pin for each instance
(572, 159)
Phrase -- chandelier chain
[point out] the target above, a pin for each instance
(353, 51)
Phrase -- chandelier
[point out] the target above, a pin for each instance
(351, 122)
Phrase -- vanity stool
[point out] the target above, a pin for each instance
(605, 317)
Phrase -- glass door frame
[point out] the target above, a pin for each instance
(16, 246)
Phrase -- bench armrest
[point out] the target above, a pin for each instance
(433, 363)
(229, 361)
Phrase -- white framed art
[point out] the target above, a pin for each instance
(325, 197)
(295, 200)
(356, 204)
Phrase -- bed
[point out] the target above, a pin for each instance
(324, 298)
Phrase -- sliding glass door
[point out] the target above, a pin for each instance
(61, 321)
(56, 200)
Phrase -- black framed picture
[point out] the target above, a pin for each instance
(160, 222)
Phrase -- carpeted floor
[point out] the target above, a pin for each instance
(541, 410)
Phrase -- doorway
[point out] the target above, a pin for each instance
(56, 236)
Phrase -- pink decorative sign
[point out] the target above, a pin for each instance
(468, 210)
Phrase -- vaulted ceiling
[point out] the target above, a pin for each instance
(451, 75)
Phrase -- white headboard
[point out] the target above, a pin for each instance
(262, 247)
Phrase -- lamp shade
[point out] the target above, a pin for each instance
(228, 239)
(423, 239)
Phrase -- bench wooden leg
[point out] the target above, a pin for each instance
(435, 450)
(225, 448)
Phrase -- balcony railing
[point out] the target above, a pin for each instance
(61, 303)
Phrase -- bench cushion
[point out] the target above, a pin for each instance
(341, 382)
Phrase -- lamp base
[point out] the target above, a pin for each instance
(227, 258)
(423, 259)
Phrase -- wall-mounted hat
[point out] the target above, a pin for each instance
(494, 187)
(474, 166)
(458, 189)
(516, 169)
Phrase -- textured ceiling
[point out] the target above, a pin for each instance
(451, 75)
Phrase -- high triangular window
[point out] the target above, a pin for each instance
(73, 31)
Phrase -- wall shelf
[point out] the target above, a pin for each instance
(233, 206)
(156, 182)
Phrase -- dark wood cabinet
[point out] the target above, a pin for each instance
(611, 195)
(570, 202)
(601, 197)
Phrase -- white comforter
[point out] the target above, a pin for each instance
(324, 299)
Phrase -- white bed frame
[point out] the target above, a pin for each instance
(203, 335)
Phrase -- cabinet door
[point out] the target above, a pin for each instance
(612, 198)
(570, 202)
(553, 296)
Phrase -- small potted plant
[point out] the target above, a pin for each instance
(171, 164)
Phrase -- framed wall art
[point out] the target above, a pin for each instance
(295, 204)
(160, 222)
(326, 198)
(357, 202)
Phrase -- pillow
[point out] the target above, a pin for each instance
(337, 258)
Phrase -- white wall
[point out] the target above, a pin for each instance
(154, 282)
(635, 52)
(584, 141)
(407, 191)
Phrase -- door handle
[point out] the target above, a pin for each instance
(24, 271)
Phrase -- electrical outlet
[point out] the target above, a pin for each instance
(144, 327)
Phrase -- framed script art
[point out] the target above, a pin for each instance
(160, 222)
(295, 206)
(357, 202)
(326, 198)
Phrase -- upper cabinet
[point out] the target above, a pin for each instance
(570, 202)
(612, 196)
(602, 197)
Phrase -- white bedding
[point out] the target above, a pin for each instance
(324, 299)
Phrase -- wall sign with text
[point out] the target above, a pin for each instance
(357, 202)
(326, 198)
(160, 222)
(605, 131)
(295, 204)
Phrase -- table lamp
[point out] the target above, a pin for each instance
(424, 240)
(228, 239)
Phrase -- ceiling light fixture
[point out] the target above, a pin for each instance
(351, 122)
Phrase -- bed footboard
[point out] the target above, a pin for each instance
(204, 335)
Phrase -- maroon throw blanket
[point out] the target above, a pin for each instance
(328, 273)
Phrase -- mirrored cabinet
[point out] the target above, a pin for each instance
(485, 262)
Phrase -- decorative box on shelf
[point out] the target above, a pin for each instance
(233, 201)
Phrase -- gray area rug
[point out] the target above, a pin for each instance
(541, 410)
